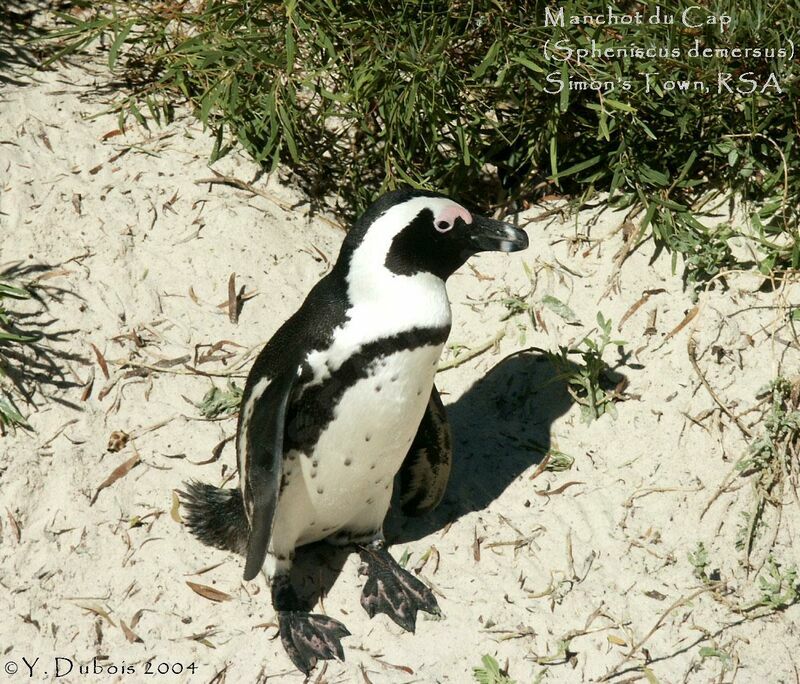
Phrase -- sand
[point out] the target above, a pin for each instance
(568, 576)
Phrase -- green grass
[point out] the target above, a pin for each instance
(772, 461)
(773, 467)
(589, 381)
(219, 403)
(490, 672)
(361, 97)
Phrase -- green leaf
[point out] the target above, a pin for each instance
(490, 672)
(487, 61)
(580, 166)
(554, 157)
(13, 337)
(563, 101)
(616, 104)
(558, 307)
(290, 48)
(9, 415)
(528, 64)
(119, 39)
(15, 292)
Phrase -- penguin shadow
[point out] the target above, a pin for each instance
(315, 570)
(501, 428)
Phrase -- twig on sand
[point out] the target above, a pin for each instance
(721, 489)
(232, 181)
(691, 348)
(680, 602)
(234, 371)
(472, 353)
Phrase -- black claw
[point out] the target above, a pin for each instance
(394, 591)
(307, 637)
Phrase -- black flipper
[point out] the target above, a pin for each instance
(426, 468)
(392, 590)
(264, 459)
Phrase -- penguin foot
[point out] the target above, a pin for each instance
(392, 590)
(309, 637)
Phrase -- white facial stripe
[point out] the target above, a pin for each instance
(385, 303)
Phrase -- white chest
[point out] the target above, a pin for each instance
(345, 482)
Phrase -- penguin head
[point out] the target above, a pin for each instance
(412, 232)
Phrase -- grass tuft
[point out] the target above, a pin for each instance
(490, 672)
(773, 459)
(589, 383)
(357, 98)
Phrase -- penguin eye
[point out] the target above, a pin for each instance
(443, 226)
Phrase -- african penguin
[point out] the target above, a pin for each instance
(340, 401)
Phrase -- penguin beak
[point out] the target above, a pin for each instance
(489, 235)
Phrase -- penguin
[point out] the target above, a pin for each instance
(339, 404)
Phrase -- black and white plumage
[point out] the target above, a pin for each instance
(339, 402)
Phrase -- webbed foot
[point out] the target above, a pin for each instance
(392, 590)
(308, 637)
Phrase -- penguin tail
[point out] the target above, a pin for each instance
(215, 516)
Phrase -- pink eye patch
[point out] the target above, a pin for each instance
(446, 218)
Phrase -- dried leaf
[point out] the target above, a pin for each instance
(204, 570)
(14, 525)
(168, 204)
(476, 546)
(655, 595)
(540, 321)
(616, 640)
(686, 320)
(101, 360)
(87, 388)
(170, 363)
(136, 617)
(216, 452)
(233, 308)
(76, 202)
(557, 490)
(98, 611)
(209, 592)
(478, 274)
(402, 668)
(112, 134)
(130, 635)
(542, 466)
(174, 512)
(118, 472)
(638, 304)
(28, 620)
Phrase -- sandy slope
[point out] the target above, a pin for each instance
(133, 244)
